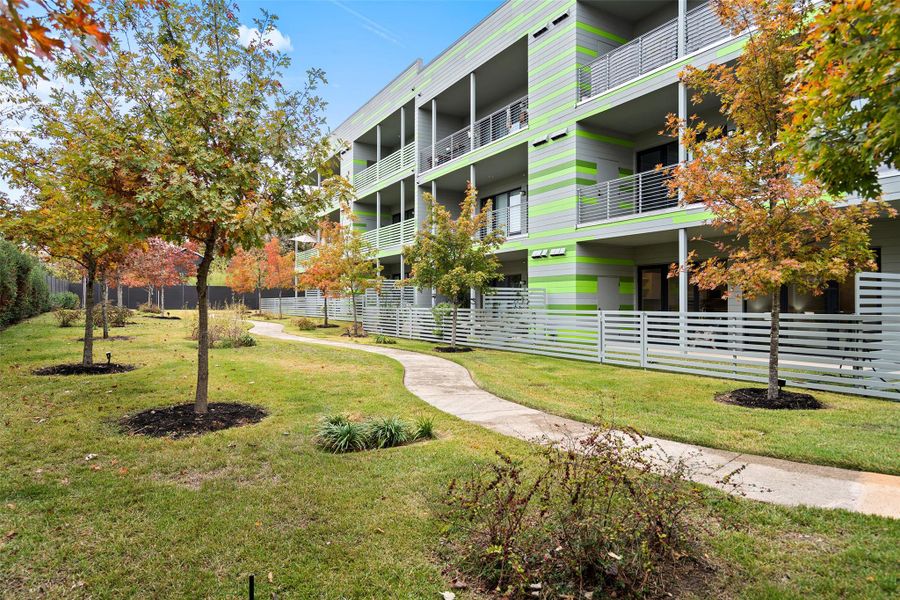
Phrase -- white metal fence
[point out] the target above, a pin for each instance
(310, 305)
(878, 294)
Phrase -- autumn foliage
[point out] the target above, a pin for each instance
(158, 264)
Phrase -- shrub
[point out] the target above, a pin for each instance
(116, 316)
(23, 285)
(66, 317)
(383, 339)
(149, 307)
(226, 330)
(388, 432)
(423, 429)
(304, 324)
(339, 434)
(66, 300)
(599, 517)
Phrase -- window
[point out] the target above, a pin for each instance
(666, 154)
(507, 213)
(409, 214)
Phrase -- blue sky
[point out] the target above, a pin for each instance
(363, 44)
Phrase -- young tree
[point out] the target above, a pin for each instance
(359, 268)
(322, 271)
(53, 217)
(247, 272)
(783, 230)
(157, 264)
(846, 122)
(279, 269)
(449, 256)
(217, 149)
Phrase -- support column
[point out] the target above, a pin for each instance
(682, 89)
(433, 132)
(682, 270)
(433, 195)
(377, 143)
(473, 293)
(402, 127)
(296, 292)
(472, 111)
(682, 27)
(402, 211)
(377, 219)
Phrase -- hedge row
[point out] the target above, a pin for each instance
(23, 286)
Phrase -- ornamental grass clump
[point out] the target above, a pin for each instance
(388, 432)
(598, 518)
(339, 433)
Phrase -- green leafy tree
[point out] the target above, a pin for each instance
(846, 96)
(450, 256)
(780, 229)
(359, 268)
(322, 270)
(212, 148)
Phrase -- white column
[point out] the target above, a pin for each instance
(296, 293)
(402, 209)
(434, 195)
(377, 219)
(472, 110)
(473, 293)
(433, 132)
(377, 143)
(682, 270)
(682, 90)
(402, 127)
(682, 27)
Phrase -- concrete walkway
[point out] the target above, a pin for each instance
(448, 386)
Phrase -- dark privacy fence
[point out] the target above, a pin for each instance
(180, 296)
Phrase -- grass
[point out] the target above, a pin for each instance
(191, 518)
(852, 432)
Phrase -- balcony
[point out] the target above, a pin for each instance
(626, 196)
(392, 236)
(388, 166)
(650, 51)
(512, 220)
(303, 256)
(510, 119)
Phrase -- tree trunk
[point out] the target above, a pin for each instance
(259, 299)
(773, 391)
(149, 297)
(453, 328)
(355, 318)
(87, 355)
(119, 293)
(201, 397)
(103, 310)
(162, 300)
(280, 313)
(326, 311)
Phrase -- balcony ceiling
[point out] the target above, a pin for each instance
(390, 129)
(506, 165)
(630, 10)
(639, 115)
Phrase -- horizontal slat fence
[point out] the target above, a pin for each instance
(858, 354)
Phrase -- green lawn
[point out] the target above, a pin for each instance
(852, 432)
(156, 518)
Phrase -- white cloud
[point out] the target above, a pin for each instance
(278, 40)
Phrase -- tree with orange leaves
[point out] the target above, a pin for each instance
(247, 272)
(782, 229)
(322, 271)
(279, 269)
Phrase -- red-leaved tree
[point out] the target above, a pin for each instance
(158, 264)
(279, 269)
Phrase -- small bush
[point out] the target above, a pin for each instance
(116, 316)
(66, 300)
(67, 318)
(383, 339)
(237, 307)
(598, 518)
(23, 285)
(339, 435)
(388, 432)
(304, 324)
(423, 429)
(242, 341)
(149, 307)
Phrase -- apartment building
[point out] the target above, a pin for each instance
(553, 109)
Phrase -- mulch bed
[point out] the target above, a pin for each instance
(756, 398)
(164, 318)
(329, 326)
(112, 337)
(80, 369)
(181, 420)
(450, 349)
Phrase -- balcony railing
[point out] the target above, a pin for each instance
(650, 51)
(508, 120)
(391, 164)
(512, 220)
(303, 256)
(392, 235)
(632, 195)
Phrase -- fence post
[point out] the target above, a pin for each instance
(643, 338)
(601, 345)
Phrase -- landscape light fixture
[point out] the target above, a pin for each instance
(108, 358)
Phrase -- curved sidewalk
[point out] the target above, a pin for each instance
(448, 386)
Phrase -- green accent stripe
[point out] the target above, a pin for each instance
(550, 63)
(604, 34)
(554, 35)
(550, 159)
(604, 138)
(545, 82)
(510, 25)
(559, 92)
(562, 184)
(587, 51)
(548, 208)
(572, 307)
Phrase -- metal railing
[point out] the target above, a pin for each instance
(508, 120)
(304, 256)
(635, 194)
(511, 221)
(392, 235)
(650, 51)
(393, 163)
